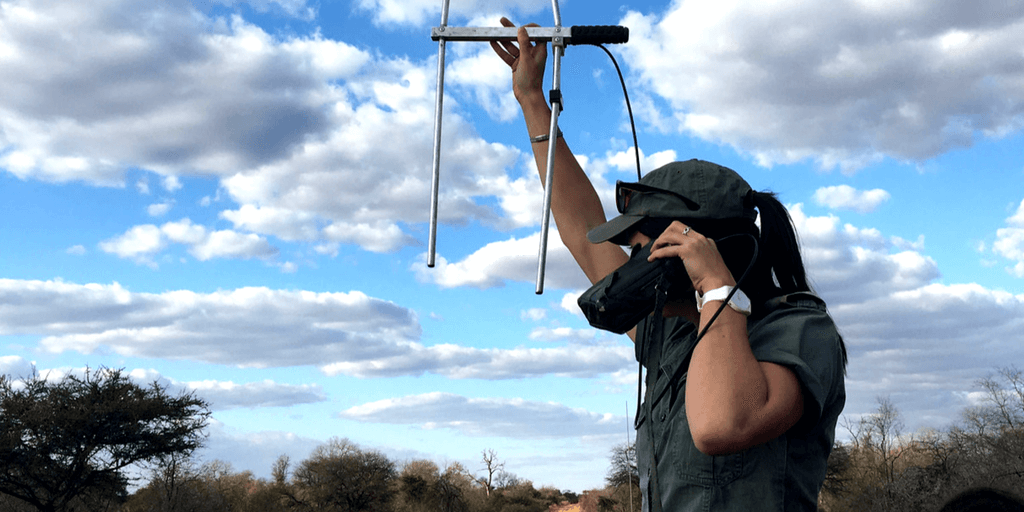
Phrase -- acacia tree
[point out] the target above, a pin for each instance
(66, 440)
(624, 478)
(340, 477)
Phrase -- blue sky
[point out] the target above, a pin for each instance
(232, 198)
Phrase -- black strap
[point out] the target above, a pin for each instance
(651, 351)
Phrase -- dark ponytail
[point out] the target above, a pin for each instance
(779, 255)
(779, 248)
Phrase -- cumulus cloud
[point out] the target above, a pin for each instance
(224, 395)
(845, 197)
(461, 362)
(137, 243)
(512, 418)
(172, 183)
(342, 333)
(534, 314)
(16, 367)
(176, 91)
(844, 83)
(850, 264)
(300, 130)
(1010, 241)
(142, 242)
(514, 259)
(937, 339)
(247, 327)
(159, 209)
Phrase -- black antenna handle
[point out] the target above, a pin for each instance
(598, 34)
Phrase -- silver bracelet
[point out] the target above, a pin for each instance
(544, 137)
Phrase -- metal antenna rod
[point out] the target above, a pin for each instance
(438, 109)
(557, 47)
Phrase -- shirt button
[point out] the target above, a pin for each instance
(662, 417)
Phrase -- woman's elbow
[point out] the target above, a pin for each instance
(719, 439)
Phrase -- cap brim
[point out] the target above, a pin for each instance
(613, 228)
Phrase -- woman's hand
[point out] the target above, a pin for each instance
(527, 62)
(700, 256)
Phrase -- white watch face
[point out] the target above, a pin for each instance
(740, 302)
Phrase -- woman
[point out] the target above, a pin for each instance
(742, 415)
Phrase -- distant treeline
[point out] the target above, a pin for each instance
(65, 446)
(883, 468)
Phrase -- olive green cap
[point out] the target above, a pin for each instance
(695, 190)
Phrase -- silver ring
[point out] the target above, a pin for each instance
(686, 231)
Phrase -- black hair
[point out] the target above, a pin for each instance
(779, 269)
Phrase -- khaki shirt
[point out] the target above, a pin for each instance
(784, 474)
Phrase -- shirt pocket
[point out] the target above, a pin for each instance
(692, 465)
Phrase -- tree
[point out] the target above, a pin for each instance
(417, 486)
(454, 489)
(69, 439)
(623, 470)
(623, 478)
(493, 467)
(339, 476)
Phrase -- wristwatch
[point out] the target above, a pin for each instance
(739, 301)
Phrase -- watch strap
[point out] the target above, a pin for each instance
(739, 301)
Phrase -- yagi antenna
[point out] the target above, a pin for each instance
(559, 38)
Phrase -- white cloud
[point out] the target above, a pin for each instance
(302, 132)
(905, 332)
(232, 244)
(139, 243)
(512, 418)
(224, 395)
(459, 362)
(1010, 241)
(184, 232)
(534, 314)
(362, 185)
(845, 197)
(142, 242)
(159, 209)
(172, 183)
(76, 250)
(380, 236)
(841, 83)
(16, 367)
(249, 327)
(342, 333)
(849, 264)
(282, 223)
(488, 78)
(175, 90)
(570, 304)
(514, 259)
